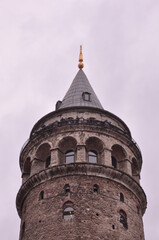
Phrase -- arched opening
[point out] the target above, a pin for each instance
(95, 150)
(68, 211)
(43, 152)
(92, 157)
(118, 157)
(123, 219)
(43, 157)
(67, 150)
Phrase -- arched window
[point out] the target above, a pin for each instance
(67, 150)
(123, 219)
(119, 157)
(69, 157)
(68, 213)
(48, 160)
(95, 188)
(92, 157)
(41, 195)
(114, 162)
(95, 150)
(67, 188)
(42, 157)
(121, 197)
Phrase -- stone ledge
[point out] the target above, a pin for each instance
(74, 169)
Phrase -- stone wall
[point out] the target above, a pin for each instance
(96, 213)
(102, 200)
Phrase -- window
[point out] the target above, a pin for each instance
(48, 160)
(68, 213)
(121, 197)
(95, 188)
(67, 188)
(123, 219)
(92, 157)
(114, 162)
(86, 96)
(69, 157)
(41, 195)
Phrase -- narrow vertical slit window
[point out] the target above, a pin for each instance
(41, 195)
(121, 197)
(67, 188)
(95, 188)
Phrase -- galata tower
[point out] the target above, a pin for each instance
(81, 173)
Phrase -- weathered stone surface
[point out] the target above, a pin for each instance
(97, 194)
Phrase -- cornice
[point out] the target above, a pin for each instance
(86, 169)
(78, 109)
(70, 124)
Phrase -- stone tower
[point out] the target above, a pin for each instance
(81, 173)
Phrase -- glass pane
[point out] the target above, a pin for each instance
(69, 157)
(92, 157)
(87, 96)
(68, 213)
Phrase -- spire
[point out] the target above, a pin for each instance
(80, 64)
(80, 93)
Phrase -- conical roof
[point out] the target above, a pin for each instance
(80, 94)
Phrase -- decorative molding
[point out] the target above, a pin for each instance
(85, 123)
(88, 169)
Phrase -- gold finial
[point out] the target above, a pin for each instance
(80, 65)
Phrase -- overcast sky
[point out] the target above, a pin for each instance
(39, 49)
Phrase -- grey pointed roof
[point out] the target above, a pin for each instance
(75, 95)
